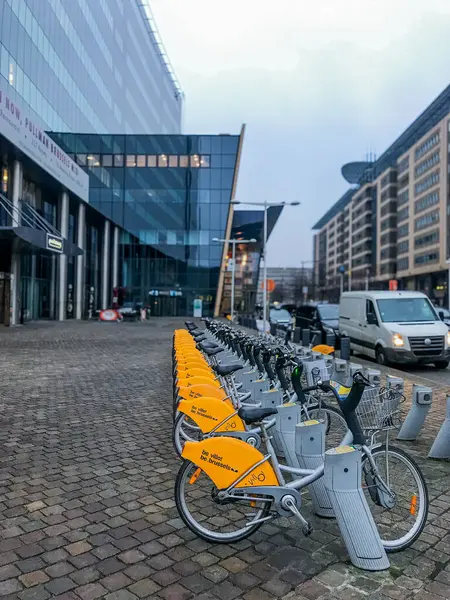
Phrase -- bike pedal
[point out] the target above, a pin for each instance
(307, 529)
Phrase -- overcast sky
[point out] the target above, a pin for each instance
(318, 83)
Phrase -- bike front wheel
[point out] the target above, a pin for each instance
(185, 430)
(401, 517)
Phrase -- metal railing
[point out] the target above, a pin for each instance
(23, 215)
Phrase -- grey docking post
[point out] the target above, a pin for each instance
(345, 348)
(420, 405)
(441, 445)
(310, 450)
(358, 529)
(287, 418)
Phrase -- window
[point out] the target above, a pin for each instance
(118, 160)
(427, 164)
(403, 197)
(205, 160)
(403, 214)
(173, 161)
(427, 220)
(107, 160)
(404, 310)
(424, 259)
(403, 247)
(151, 160)
(403, 230)
(195, 161)
(403, 165)
(162, 160)
(429, 143)
(141, 160)
(427, 240)
(131, 160)
(429, 200)
(183, 161)
(93, 160)
(370, 310)
(81, 159)
(403, 264)
(426, 183)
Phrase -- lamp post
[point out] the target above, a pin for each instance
(266, 205)
(233, 243)
(448, 284)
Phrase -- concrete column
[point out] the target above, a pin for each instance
(15, 257)
(115, 271)
(105, 265)
(62, 259)
(79, 284)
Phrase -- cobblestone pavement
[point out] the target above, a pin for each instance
(86, 488)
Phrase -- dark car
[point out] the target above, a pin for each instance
(320, 317)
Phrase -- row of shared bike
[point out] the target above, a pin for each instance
(236, 474)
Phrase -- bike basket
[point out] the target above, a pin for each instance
(379, 409)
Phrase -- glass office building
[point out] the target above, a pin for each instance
(78, 65)
(171, 196)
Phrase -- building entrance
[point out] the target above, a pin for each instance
(5, 299)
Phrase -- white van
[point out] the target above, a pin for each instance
(398, 327)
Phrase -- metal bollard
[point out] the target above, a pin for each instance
(345, 348)
(310, 450)
(297, 335)
(441, 445)
(273, 329)
(420, 405)
(359, 532)
(306, 337)
(287, 418)
(330, 340)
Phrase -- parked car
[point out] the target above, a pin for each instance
(321, 317)
(444, 314)
(280, 317)
(400, 327)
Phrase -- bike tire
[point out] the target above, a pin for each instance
(199, 529)
(177, 436)
(392, 546)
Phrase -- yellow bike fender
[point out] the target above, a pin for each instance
(188, 382)
(196, 391)
(226, 459)
(207, 413)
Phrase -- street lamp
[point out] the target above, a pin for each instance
(265, 206)
(233, 243)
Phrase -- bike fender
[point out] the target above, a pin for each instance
(226, 459)
(207, 413)
(196, 391)
(188, 382)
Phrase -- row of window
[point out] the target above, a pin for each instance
(426, 183)
(429, 200)
(390, 177)
(427, 220)
(403, 247)
(403, 197)
(429, 143)
(28, 91)
(403, 165)
(391, 192)
(177, 238)
(424, 259)
(427, 240)
(403, 214)
(40, 40)
(194, 161)
(427, 164)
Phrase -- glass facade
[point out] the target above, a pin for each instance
(88, 66)
(171, 196)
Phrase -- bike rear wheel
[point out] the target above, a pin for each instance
(335, 424)
(213, 520)
(400, 525)
(185, 430)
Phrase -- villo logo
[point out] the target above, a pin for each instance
(55, 244)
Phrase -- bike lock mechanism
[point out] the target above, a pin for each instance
(342, 480)
(310, 450)
(421, 403)
(441, 445)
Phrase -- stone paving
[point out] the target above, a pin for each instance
(86, 488)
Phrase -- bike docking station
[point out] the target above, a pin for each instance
(441, 445)
(257, 387)
(422, 398)
(342, 481)
(284, 431)
(310, 450)
(246, 376)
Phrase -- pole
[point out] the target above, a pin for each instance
(448, 286)
(233, 244)
(367, 281)
(265, 270)
(342, 283)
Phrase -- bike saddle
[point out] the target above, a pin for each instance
(254, 415)
(207, 344)
(225, 370)
(211, 351)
